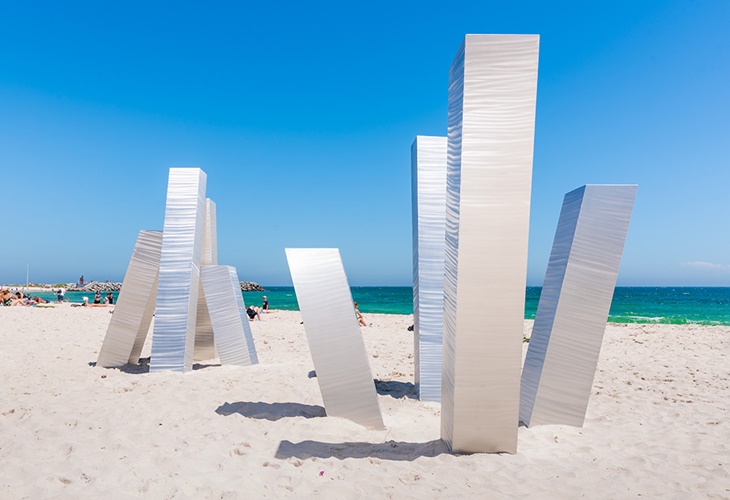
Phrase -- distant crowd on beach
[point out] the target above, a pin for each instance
(10, 299)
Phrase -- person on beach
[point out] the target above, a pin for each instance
(360, 318)
(253, 313)
(86, 303)
(23, 298)
(61, 293)
(97, 298)
(265, 307)
(109, 299)
(8, 299)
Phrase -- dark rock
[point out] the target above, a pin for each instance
(97, 286)
(250, 286)
(110, 286)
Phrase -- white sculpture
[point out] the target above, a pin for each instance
(574, 303)
(492, 95)
(428, 162)
(228, 316)
(173, 334)
(338, 350)
(130, 323)
(184, 326)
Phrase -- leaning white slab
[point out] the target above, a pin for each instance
(492, 96)
(428, 195)
(173, 334)
(135, 306)
(333, 333)
(574, 303)
(248, 336)
(233, 338)
(204, 344)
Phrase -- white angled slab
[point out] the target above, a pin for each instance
(492, 95)
(233, 339)
(333, 333)
(574, 304)
(135, 305)
(248, 336)
(177, 292)
(204, 344)
(428, 163)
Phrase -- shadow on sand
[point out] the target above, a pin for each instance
(395, 389)
(144, 366)
(271, 411)
(391, 450)
(391, 388)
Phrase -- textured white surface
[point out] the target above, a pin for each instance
(574, 304)
(135, 305)
(233, 339)
(335, 341)
(209, 249)
(428, 162)
(204, 344)
(177, 292)
(492, 95)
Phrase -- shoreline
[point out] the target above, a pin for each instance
(609, 321)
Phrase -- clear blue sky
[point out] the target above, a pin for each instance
(302, 114)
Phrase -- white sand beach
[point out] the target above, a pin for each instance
(657, 423)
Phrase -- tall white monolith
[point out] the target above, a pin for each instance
(492, 97)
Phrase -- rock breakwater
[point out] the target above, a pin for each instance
(115, 286)
(250, 286)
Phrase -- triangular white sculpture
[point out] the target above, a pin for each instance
(191, 248)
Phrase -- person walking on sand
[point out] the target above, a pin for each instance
(61, 293)
(360, 319)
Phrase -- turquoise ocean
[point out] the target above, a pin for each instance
(670, 305)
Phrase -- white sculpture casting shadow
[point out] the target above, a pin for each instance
(335, 342)
(492, 96)
(574, 303)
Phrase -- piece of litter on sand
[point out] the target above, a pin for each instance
(321, 473)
